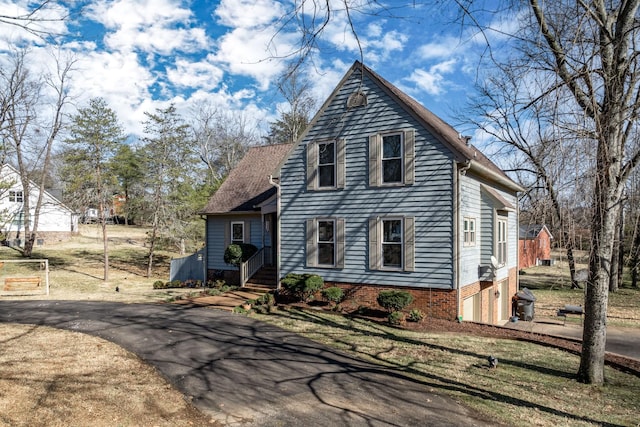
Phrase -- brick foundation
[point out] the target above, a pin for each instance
(435, 303)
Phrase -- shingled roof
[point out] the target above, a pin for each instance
(248, 183)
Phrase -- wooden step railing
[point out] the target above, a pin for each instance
(251, 266)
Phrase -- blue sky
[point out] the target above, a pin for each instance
(144, 54)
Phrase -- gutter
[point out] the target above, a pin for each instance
(481, 170)
(277, 247)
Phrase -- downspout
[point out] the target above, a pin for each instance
(206, 249)
(277, 225)
(456, 243)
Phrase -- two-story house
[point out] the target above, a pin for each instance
(380, 193)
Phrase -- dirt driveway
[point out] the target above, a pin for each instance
(247, 373)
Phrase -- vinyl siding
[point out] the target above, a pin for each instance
(428, 199)
(217, 234)
(479, 204)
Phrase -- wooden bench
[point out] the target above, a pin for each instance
(570, 310)
(22, 283)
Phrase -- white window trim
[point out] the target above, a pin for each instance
(16, 196)
(383, 243)
(333, 241)
(502, 245)
(335, 165)
(231, 231)
(401, 158)
(471, 232)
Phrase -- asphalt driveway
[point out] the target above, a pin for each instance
(248, 373)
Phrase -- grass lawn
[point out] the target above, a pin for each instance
(532, 385)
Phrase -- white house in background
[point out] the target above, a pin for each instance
(56, 221)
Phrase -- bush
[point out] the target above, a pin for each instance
(415, 315)
(333, 294)
(158, 284)
(302, 286)
(394, 300)
(266, 299)
(395, 317)
(237, 253)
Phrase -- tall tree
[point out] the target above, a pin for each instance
(169, 160)
(126, 165)
(94, 137)
(295, 116)
(222, 139)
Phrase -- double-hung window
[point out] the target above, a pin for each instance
(469, 231)
(325, 242)
(391, 158)
(391, 243)
(326, 164)
(501, 240)
(15, 196)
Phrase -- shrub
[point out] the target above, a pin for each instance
(266, 299)
(302, 286)
(415, 315)
(394, 300)
(158, 284)
(395, 317)
(333, 294)
(237, 253)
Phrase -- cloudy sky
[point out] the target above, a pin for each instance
(140, 55)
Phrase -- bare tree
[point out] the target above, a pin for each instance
(295, 117)
(37, 18)
(222, 139)
(28, 134)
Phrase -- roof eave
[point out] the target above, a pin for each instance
(484, 172)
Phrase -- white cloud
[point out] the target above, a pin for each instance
(151, 25)
(201, 74)
(432, 81)
(444, 47)
(248, 13)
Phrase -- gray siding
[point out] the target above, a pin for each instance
(429, 199)
(217, 226)
(476, 203)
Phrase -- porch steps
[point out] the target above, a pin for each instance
(263, 281)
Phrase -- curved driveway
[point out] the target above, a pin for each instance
(245, 372)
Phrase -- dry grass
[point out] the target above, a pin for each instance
(50, 377)
(532, 385)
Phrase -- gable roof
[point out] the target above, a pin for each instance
(463, 151)
(11, 176)
(248, 183)
(531, 231)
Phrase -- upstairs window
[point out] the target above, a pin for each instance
(15, 196)
(469, 231)
(391, 158)
(326, 165)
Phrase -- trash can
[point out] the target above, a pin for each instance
(526, 304)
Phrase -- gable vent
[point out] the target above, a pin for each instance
(357, 99)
